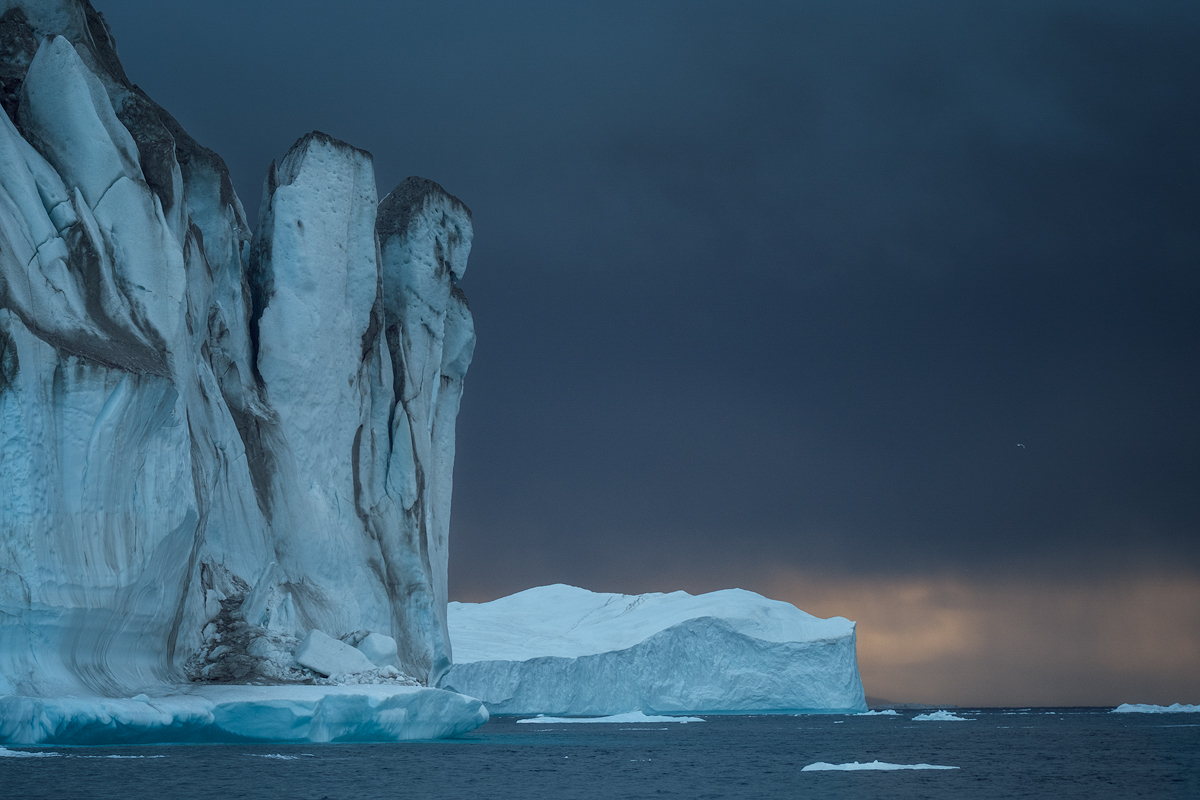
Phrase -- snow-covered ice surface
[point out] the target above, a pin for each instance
(939, 716)
(243, 714)
(633, 716)
(1143, 708)
(212, 442)
(822, 766)
(561, 650)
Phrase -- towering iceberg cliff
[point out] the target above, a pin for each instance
(211, 443)
(564, 650)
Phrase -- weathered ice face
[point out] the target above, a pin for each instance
(214, 444)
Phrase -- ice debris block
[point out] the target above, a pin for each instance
(326, 655)
(380, 649)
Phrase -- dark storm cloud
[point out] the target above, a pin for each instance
(776, 282)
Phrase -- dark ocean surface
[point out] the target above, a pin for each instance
(1000, 753)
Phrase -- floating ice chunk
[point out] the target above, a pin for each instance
(74, 756)
(380, 649)
(632, 716)
(1145, 708)
(326, 655)
(822, 766)
(940, 716)
(887, 712)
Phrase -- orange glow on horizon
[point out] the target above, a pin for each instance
(1015, 642)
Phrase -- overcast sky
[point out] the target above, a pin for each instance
(888, 309)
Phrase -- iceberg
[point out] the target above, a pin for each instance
(1144, 708)
(215, 444)
(561, 650)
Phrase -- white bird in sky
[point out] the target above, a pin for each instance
(1021, 445)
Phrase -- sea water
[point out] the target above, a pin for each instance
(1056, 753)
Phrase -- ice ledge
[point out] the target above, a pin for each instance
(298, 714)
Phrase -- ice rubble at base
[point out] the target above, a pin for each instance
(822, 766)
(1143, 708)
(212, 443)
(562, 650)
(887, 712)
(632, 716)
(940, 716)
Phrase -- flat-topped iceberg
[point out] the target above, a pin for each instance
(567, 651)
(1149, 708)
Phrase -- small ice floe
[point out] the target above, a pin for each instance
(1144, 708)
(276, 756)
(6, 753)
(940, 716)
(632, 716)
(822, 766)
(74, 756)
(887, 712)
